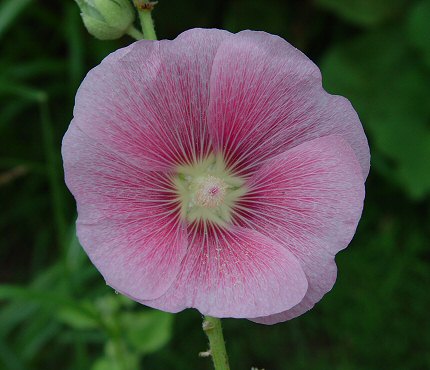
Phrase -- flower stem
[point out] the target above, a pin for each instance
(144, 8)
(135, 33)
(212, 328)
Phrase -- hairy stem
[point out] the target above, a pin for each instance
(135, 33)
(144, 8)
(212, 328)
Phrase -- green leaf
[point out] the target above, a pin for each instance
(36, 334)
(54, 301)
(78, 318)
(9, 358)
(419, 28)
(22, 306)
(105, 363)
(147, 331)
(117, 357)
(9, 10)
(15, 89)
(32, 68)
(363, 12)
(76, 46)
(129, 361)
(389, 89)
(11, 111)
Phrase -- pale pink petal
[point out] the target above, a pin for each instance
(148, 101)
(127, 220)
(267, 97)
(235, 272)
(321, 279)
(310, 200)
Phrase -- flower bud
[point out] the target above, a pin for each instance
(106, 19)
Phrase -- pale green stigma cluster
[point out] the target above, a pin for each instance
(207, 190)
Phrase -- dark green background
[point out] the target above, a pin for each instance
(55, 310)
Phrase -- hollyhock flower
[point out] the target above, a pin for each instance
(213, 171)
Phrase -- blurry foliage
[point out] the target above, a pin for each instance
(272, 19)
(419, 28)
(98, 318)
(364, 12)
(56, 311)
(388, 84)
(9, 10)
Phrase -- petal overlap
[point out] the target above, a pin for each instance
(267, 97)
(235, 273)
(310, 200)
(149, 100)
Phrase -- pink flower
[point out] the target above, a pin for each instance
(213, 171)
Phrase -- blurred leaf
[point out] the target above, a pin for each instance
(105, 364)
(31, 69)
(394, 244)
(13, 88)
(109, 304)
(13, 314)
(36, 335)
(11, 111)
(9, 10)
(47, 300)
(76, 49)
(117, 357)
(419, 28)
(9, 358)
(389, 90)
(79, 319)
(147, 331)
(363, 12)
(20, 309)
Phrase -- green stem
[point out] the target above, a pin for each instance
(212, 328)
(135, 33)
(144, 8)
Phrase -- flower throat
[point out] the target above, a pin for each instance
(207, 190)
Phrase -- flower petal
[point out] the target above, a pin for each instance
(148, 101)
(309, 199)
(235, 273)
(267, 97)
(127, 220)
(321, 279)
